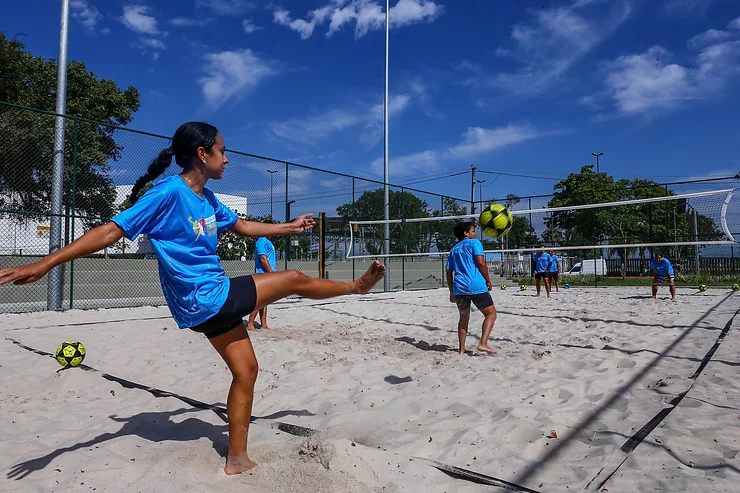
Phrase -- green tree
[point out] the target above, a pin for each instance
(26, 137)
(444, 231)
(653, 222)
(404, 237)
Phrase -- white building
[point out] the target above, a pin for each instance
(32, 237)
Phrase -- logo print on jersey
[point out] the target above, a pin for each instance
(199, 226)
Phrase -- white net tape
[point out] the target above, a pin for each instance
(674, 220)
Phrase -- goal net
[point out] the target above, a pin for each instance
(677, 221)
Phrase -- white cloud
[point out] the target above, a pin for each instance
(476, 141)
(548, 46)
(368, 15)
(708, 37)
(153, 43)
(229, 74)
(85, 14)
(320, 126)
(649, 82)
(137, 18)
(683, 8)
(187, 22)
(249, 26)
(227, 7)
(734, 24)
(479, 140)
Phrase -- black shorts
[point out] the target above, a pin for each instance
(555, 276)
(542, 275)
(240, 302)
(480, 301)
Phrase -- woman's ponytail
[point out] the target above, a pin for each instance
(155, 169)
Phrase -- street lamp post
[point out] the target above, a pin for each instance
(272, 172)
(596, 155)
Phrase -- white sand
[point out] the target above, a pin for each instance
(381, 372)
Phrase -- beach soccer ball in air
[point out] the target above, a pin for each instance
(703, 287)
(496, 220)
(522, 287)
(70, 353)
(503, 287)
(736, 287)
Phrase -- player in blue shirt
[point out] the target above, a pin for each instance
(542, 263)
(183, 219)
(662, 269)
(468, 280)
(554, 270)
(264, 253)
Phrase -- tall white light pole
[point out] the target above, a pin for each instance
(56, 275)
(386, 195)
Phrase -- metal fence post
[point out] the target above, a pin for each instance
(354, 239)
(286, 253)
(56, 275)
(74, 205)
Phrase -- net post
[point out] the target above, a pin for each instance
(322, 245)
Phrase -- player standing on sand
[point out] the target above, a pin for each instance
(468, 280)
(542, 269)
(183, 219)
(662, 269)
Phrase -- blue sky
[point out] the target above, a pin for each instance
(525, 87)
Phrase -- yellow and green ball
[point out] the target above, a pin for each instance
(70, 353)
(522, 287)
(503, 287)
(496, 220)
(736, 287)
(703, 287)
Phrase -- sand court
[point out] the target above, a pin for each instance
(379, 376)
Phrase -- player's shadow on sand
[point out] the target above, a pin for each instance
(425, 346)
(152, 426)
(155, 427)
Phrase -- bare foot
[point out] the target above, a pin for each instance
(251, 328)
(369, 279)
(265, 327)
(237, 465)
(485, 348)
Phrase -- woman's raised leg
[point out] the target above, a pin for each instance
(274, 286)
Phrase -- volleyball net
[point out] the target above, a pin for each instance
(677, 221)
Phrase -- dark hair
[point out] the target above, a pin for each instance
(185, 143)
(462, 228)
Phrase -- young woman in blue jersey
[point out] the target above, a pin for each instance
(183, 219)
(554, 270)
(468, 280)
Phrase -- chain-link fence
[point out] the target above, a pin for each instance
(101, 162)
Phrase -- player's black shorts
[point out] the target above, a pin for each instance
(240, 302)
(480, 301)
(555, 276)
(542, 275)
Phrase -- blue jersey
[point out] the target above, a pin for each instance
(467, 279)
(664, 268)
(554, 263)
(183, 228)
(541, 261)
(266, 248)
